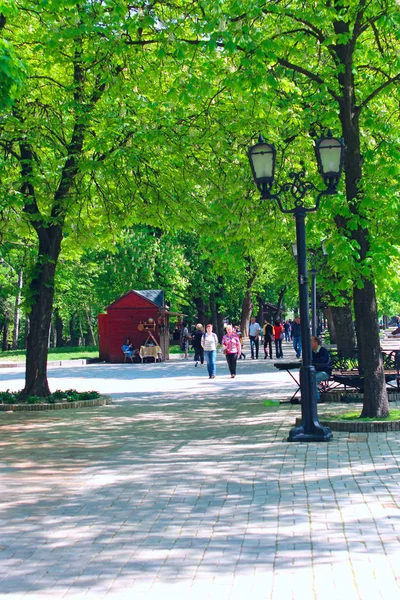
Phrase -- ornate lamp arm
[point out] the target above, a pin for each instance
(298, 188)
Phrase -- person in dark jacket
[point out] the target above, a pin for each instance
(268, 332)
(296, 336)
(321, 362)
(196, 345)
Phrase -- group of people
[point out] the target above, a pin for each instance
(205, 342)
(277, 332)
(205, 345)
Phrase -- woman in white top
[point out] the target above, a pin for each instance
(209, 342)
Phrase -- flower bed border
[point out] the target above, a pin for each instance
(102, 401)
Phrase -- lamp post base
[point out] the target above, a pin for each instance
(318, 433)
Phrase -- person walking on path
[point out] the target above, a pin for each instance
(209, 342)
(196, 344)
(278, 335)
(232, 349)
(268, 332)
(321, 362)
(185, 340)
(296, 336)
(254, 335)
(286, 327)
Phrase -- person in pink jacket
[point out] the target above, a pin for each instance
(232, 349)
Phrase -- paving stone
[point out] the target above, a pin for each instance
(187, 489)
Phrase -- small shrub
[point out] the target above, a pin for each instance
(34, 400)
(8, 397)
(58, 395)
(89, 395)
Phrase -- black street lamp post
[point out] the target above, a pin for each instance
(330, 156)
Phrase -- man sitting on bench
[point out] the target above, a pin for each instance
(321, 362)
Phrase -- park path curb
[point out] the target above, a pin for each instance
(102, 401)
(73, 362)
(359, 427)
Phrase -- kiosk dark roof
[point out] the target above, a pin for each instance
(156, 297)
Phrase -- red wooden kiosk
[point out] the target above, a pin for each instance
(137, 315)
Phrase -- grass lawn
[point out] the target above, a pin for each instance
(354, 415)
(67, 353)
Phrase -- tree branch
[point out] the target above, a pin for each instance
(357, 29)
(309, 74)
(48, 78)
(379, 89)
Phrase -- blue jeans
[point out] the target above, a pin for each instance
(297, 346)
(211, 360)
(320, 376)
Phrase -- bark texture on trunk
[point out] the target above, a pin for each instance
(42, 293)
(247, 309)
(345, 335)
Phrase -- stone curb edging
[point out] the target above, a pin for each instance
(68, 362)
(361, 427)
(102, 401)
(341, 396)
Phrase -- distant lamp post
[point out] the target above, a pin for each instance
(313, 272)
(330, 157)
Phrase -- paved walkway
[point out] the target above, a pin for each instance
(187, 488)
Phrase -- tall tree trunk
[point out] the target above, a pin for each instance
(345, 336)
(73, 333)
(280, 302)
(369, 352)
(4, 344)
(17, 311)
(331, 325)
(213, 309)
(260, 309)
(26, 332)
(247, 308)
(220, 325)
(53, 340)
(91, 337)
(58, 326)
(201, 310)
(42, 292)
(365, 309)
